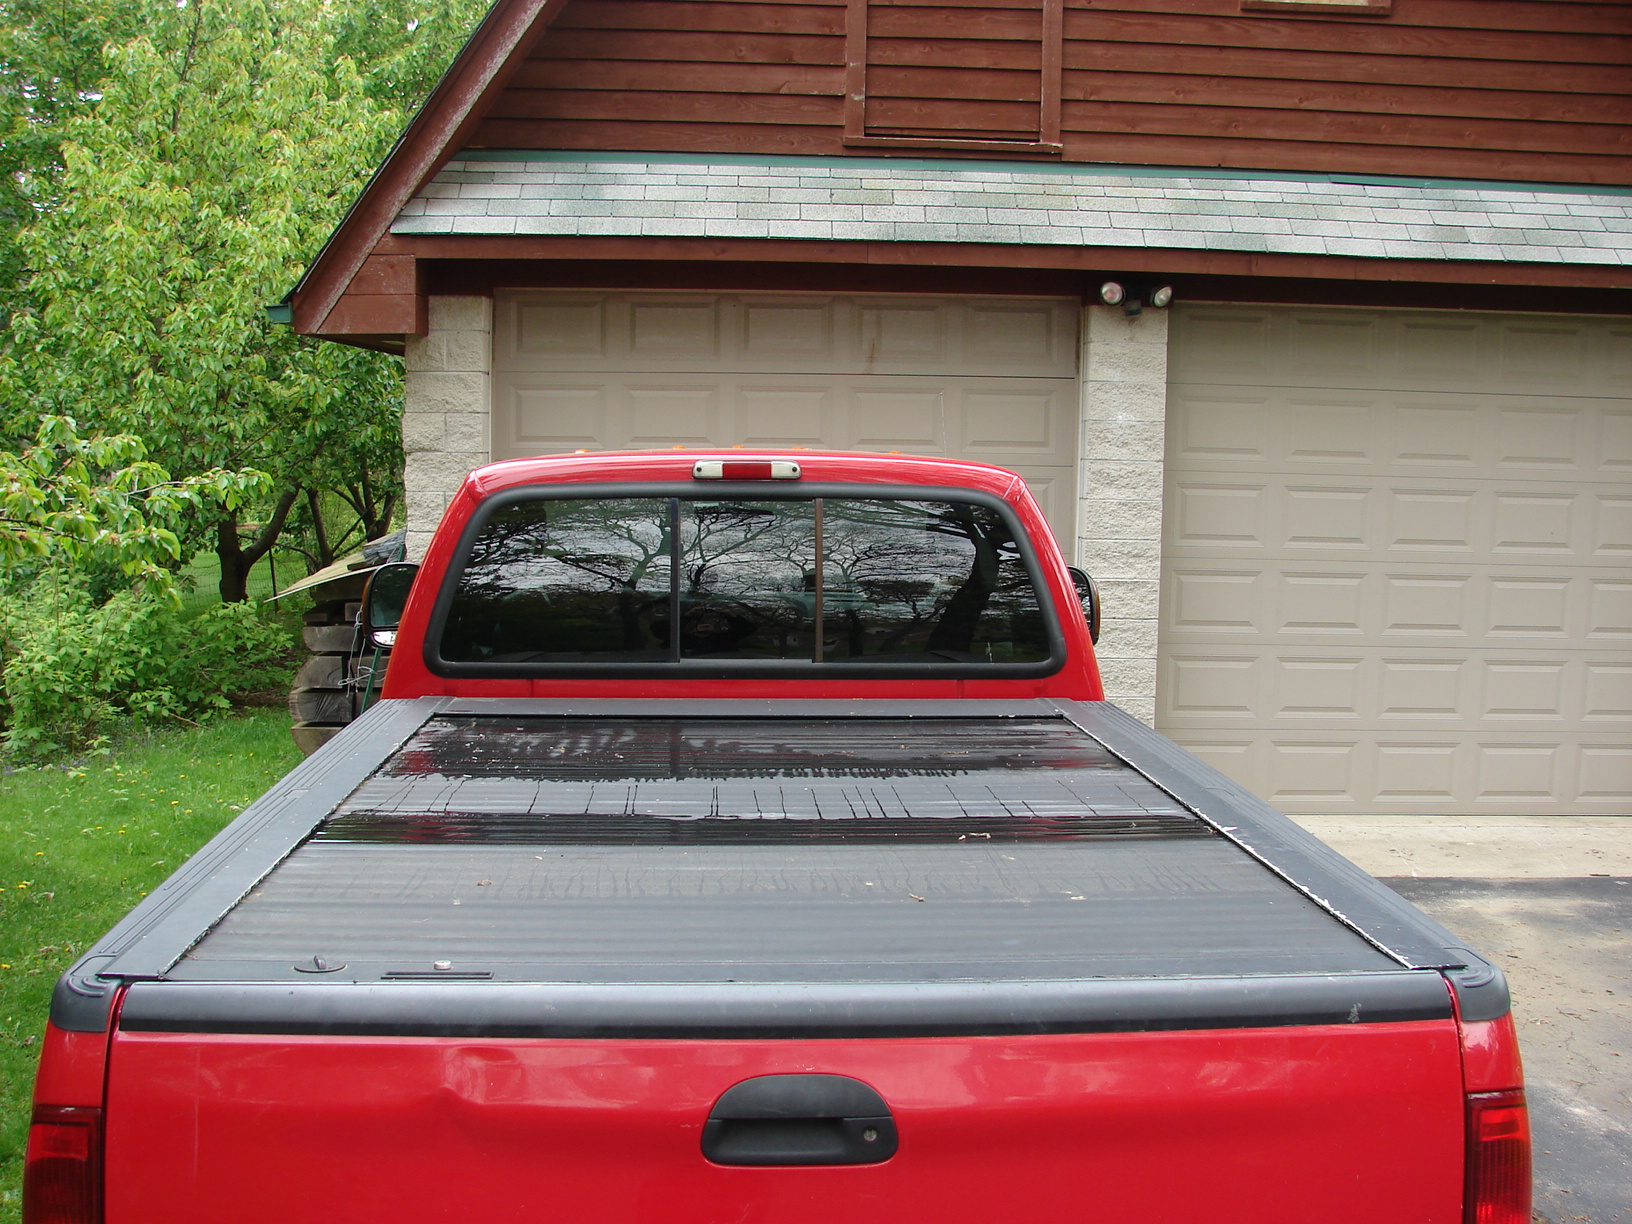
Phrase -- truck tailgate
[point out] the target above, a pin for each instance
(514, 971)
(1335, 1124)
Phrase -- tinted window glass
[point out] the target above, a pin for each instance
(925, 581)
(565, 581)
(852, 580)
(744, 570)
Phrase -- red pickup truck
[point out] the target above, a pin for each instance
(745, 837)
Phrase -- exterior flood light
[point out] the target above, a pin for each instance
(1133, 298)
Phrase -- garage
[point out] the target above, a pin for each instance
(993, 380)
(1395, 558)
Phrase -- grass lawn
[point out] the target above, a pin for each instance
(201, 579)
(80, 845)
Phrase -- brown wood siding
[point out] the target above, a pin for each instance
(1501, 89)
(939, 73)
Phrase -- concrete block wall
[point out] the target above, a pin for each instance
(1119, 511)
(447, 409)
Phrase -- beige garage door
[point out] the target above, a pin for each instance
(987, 379)
(1396, 558)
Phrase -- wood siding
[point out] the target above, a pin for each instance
(996, 86)
(1491, 89)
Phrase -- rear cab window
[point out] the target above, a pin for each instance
(568, 581)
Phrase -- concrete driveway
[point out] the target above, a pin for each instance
(1550, 899)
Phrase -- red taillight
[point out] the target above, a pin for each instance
(61, 1173)
(745, 469)
(1498, 1158)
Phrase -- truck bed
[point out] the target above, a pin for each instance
(784, 850)
(498, 947)
(526, 866)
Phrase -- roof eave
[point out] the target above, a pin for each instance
(437, 131)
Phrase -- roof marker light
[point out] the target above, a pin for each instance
(745, 469)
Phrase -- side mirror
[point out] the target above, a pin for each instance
(1088, 593)
(384, 598)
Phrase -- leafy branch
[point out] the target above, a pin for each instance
(99, 499)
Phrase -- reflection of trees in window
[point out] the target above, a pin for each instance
(600, 579)
(988, 535)
(933, 577)
(742, 566)
(880, 568)
(735, 548)
(564, 577)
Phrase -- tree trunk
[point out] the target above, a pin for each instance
(382, 518)
(234, 586)
(236, 559)
(325, 554)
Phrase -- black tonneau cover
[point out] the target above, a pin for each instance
(817, 866)
(768, 850)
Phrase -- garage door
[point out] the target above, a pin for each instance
(988, 379)
(1396, 558)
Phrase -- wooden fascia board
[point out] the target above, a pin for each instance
(1163, 261)
(436, 132)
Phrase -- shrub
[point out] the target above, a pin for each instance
(73, 666)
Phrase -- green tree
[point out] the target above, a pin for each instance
(51, 68)
(53, 60)
(225, 144)
(100, 501)
(402, 47)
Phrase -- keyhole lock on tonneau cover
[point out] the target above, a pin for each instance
(799, 1120)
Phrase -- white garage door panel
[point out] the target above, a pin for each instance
(1502, 690)
(987, 380)
(1423, 606)
(785, 334)
(1023, 421)
(1447, 774)
(1406, 589)
(1422, 351)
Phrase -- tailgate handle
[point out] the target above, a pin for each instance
(799, 1120)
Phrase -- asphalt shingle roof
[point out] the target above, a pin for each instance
(862, 199)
